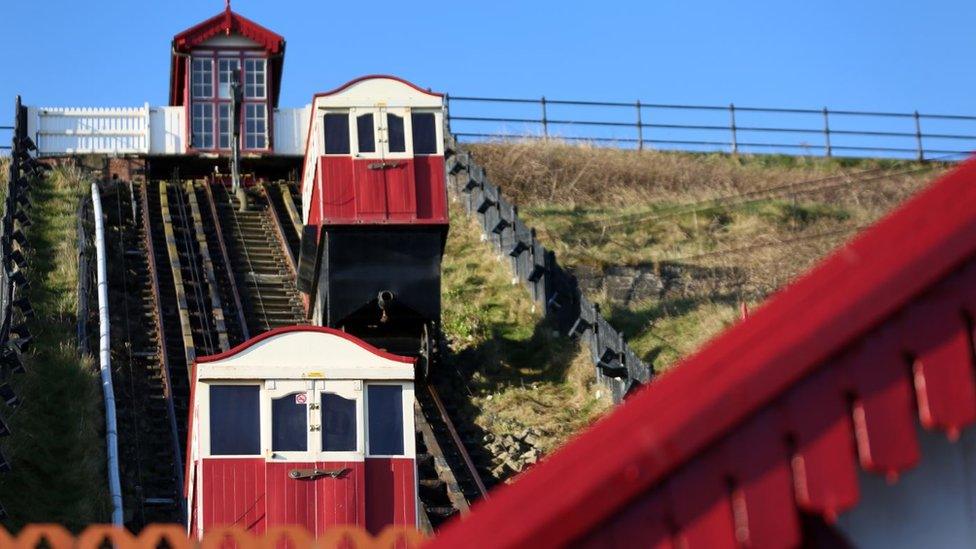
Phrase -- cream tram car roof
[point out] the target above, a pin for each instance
(304, 352)
(379, 91)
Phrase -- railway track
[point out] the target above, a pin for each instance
(195, 275)
(146, 395)
(263, 267)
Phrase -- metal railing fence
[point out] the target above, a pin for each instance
(554, 289)
(14, 334)
(728, 128)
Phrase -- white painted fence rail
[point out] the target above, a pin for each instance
(90, 130)
(140, 130)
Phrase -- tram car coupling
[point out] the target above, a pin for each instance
(305, 426)
(374, 204)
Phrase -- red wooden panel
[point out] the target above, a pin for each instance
(290, 501)
(370, 191)
(340, 500)
(642, 523)
(941, 343)
(701, 503)
(431, 189)
(883, 411)
(762, 496)
(824, 473)
(401, 190)
(390, 494)
(337, 184)
(233, 493)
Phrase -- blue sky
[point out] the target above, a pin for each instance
(848, 55)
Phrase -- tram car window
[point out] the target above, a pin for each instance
(234, 420)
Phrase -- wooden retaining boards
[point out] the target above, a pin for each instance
(296, 219)
(280, 232)
(218, 311)
(174, 261)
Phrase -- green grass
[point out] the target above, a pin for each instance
(57, 448)
(520, 387)
(728, 229)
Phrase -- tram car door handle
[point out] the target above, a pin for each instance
(383, 165)
(312, 474)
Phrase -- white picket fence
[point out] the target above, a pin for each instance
(139, 130)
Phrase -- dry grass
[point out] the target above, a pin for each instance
(521, 389)
(56, 450)
(728, 229)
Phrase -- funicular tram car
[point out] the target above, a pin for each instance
(304, 426)
(375, 211)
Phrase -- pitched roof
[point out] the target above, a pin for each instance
(226, 22)
(773, 416)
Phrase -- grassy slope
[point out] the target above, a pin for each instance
(524, 388)
(57, 449)
(579, 197)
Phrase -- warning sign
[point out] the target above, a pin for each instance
(301, 398)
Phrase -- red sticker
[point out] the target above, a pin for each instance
(301, 398)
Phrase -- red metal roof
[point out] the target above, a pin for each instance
(773, 417)
(226, 22)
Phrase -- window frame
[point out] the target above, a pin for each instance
(353, 135)
(351, 389)
(242, 56)
(205, 422)
(409, 435)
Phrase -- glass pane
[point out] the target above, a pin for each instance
(336, 133)
(289, 423)
(254, 79)
(364, 126)
(394, 125)
(235, 427)
(223, 110)
(203, 119)
(201, 78)
(255, 126)
(424, 133)
(338, 423)
(225, 74)
(385, 417)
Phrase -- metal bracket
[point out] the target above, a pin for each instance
(384, 165)
(312, 474)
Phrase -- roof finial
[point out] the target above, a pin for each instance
(227, 2)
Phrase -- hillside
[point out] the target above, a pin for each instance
(671, 244)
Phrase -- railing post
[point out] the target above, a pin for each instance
(827, 149)
(735, 142)
(640, 128)
(545, 120)
(918, 138)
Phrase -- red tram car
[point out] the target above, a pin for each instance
(302, 426)
(375, 213)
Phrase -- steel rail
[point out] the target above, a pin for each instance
(208, 268)
(182, 306)
(166, 374)
(457, 441)
(232, 279)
